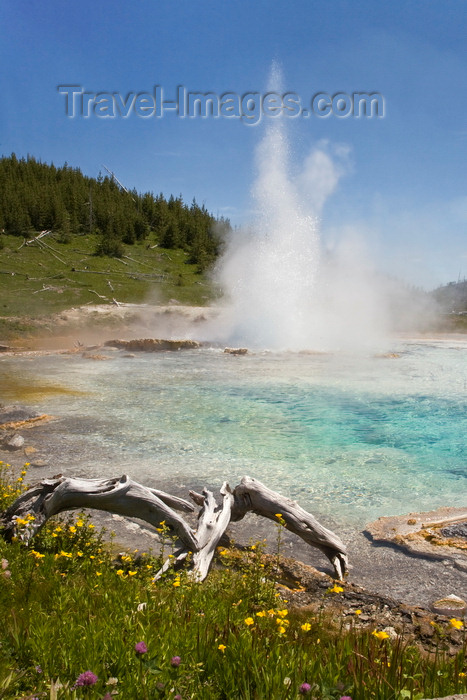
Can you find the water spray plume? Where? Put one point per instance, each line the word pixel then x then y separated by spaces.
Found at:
pixel 283 289
pixel 270 268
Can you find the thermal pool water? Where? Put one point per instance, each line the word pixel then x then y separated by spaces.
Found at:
pixel 351 438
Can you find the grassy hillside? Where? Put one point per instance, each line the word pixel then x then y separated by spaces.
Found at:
pixel 47 276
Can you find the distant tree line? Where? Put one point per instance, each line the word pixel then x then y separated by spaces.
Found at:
pixel 35 196
pixel 452 297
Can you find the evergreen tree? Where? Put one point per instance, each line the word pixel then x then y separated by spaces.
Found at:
pixel 35 196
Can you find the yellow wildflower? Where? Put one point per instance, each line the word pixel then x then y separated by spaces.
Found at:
pixel 132 573
pixel 176 583
pixel 336 589
pixel 98 573
pixel 79 523
pixel 72 529
pixel 120 572
pixel 358 612
pixel 91 526
pixel 457 624
pixel 38 555
pixel 283 613
pixel 380 635
pixel 249 621
pixel 222 647
pixel 261 613
pixel 66 554
pixel 462 674
pixel 79 554
pixel 278 515
pixel 281 630
pixel 306 627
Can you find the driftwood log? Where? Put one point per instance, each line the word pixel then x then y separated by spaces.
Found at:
pixel 126 497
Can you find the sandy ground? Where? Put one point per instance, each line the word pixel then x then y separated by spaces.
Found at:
pixel 92 324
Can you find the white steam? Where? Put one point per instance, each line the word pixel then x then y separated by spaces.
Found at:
pixel 281 289
pixel 270 269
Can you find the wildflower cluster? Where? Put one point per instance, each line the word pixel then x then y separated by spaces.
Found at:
pixel 24 527
pixel 76 623
pixel 71 537
pixel 10 489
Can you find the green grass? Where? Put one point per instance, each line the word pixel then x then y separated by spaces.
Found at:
pixel 67 607
pixel 37 282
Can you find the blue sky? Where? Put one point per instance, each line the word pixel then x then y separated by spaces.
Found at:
pixel 402 183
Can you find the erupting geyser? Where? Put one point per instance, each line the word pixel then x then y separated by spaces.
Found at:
pixel 270 270
pixel 282 291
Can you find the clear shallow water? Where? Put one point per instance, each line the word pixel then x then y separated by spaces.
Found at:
pixel 350 438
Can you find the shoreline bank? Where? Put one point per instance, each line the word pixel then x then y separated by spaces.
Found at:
pixel 92 324
pixel 384 568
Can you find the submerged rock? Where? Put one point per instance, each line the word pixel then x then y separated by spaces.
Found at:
pixel 16 414
pixel 13 442
pixel 14 417
pixel 422 534
pixel 236 351
pixel 152 344
pixel 38 463
pixel 451 605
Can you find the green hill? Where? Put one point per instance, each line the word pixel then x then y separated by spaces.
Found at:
pixel 69 240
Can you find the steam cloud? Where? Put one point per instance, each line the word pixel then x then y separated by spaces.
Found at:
pixel 282 289
pixel 282 292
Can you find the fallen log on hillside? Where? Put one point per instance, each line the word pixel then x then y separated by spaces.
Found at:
pixel 126 497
